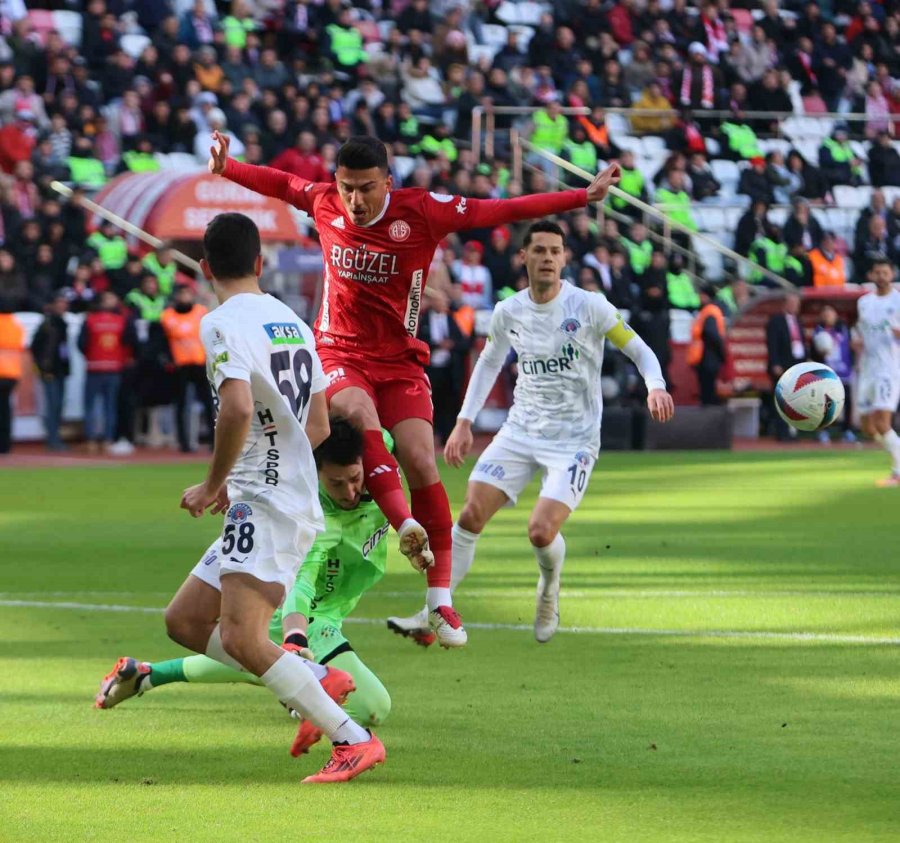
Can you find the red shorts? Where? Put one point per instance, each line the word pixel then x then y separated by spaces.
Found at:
pixel 400 389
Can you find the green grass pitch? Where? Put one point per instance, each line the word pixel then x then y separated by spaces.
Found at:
pixel 682 704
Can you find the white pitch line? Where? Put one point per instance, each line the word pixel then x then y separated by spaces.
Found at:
pixel 820 637
pixel 598 593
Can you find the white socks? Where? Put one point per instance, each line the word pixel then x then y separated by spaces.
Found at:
pixel 463 554
pixel 296 686
pixel 435 597
pixel 215 650
pixel 890 441
pixel 550 560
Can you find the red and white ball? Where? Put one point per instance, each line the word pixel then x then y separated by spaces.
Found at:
pixel 809 396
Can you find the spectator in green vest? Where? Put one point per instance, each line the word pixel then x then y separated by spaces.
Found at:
pixel 797 268
pixel 675 202
pixel 550 132
pixel 582 153
pixel 84 168
pixel 147 301
pixel 680 287
pixel 162 264
pixel 769 252
pixel 837 159
pixel 632 182
pixel 638 248
pixel 739 141
pixel 435 142
pixel 141 159
pixel 236 25
pixel 110 246
pixel 345 43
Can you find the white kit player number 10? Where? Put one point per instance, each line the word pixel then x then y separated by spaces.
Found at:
pixel 297 384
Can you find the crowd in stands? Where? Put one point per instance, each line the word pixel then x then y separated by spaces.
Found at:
pixel 92 88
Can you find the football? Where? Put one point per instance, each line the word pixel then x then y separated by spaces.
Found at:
pixel 809 396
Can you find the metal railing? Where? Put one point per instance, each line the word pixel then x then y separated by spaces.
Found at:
pixel 669 225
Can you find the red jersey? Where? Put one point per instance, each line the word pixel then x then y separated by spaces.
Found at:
pixel 375 274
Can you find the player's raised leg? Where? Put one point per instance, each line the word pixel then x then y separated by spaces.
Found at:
pixel 414 439
pixel 382 474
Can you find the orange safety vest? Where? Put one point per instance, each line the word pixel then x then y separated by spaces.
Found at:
pixel 465 319
pixel 827 273
pixel 695 349
pixel 183 332
pixel 597 135
pixel 12 342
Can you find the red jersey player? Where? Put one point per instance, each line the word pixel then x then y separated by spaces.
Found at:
pixel 378 244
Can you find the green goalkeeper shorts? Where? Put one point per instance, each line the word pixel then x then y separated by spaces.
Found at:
pixel 325 638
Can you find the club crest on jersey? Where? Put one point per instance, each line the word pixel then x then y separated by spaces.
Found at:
pixel 570 325
pixel 284 333
pixel 399 230
pixel 583 458
pixel 239 513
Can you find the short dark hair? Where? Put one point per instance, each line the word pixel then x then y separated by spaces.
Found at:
pixel 363 152
pixel 344 445
pixel 231 246
pixel 879 258
pixel 542 226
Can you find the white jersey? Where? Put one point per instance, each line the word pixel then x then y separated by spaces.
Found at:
pixel 256 338
pixel 560 349
pixel 881 349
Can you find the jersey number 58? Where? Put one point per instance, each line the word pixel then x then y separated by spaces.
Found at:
pixel 296 385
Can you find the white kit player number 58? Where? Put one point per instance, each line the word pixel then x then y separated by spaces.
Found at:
pixel 298 383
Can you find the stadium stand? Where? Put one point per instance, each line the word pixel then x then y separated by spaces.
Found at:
pixel 755 99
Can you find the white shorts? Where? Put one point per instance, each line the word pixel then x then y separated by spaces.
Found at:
pixel 509 466
pixel 878 392
pixel 259 541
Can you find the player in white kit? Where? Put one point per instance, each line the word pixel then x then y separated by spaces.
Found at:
pixel 558 332
pixel 270 394
pixel 877 341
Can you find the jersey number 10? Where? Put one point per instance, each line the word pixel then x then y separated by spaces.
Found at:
pixel 296 385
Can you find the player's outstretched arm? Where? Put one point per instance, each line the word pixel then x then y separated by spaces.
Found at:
pixel 265 180
pixel 461 214
pixel 232 426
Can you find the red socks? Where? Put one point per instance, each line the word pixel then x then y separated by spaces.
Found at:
pixel 431 508
pixel 383 479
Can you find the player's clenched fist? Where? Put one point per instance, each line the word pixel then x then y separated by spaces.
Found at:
pixel 459 443
pixel 218 153
pixel 661 405
pixel 197 498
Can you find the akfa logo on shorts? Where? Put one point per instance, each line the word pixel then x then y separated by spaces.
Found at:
pixel 583 458
pixel 570 325
pixel 209 558
pixel 239 513
pixel 399 230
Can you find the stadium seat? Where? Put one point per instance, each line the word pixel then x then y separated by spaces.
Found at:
pixel 712 260
pixel 68 25
pixel 404 165
pixel 726 172
pixel 890 194
pixel 177 161
pixel 618 126
pixel 846 196
pixel 653 145
pixel 775 145
pixel 778 216
pixel 526 12
pixel 632 144
pixel 385 27
pixel 492 33
pixel 477 52
pixel 134 45
pixel 809 149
